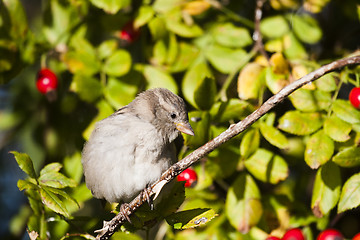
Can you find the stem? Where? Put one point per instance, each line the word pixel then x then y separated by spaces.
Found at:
pixel 43 61
pixel 336 93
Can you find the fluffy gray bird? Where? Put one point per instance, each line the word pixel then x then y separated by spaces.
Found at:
pixel 131 148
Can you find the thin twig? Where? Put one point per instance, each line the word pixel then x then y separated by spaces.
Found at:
pixel 257 37
pixel 111 226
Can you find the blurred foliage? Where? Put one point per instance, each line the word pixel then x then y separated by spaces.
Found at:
pixel 298 166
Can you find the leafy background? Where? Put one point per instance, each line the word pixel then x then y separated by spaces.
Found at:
pixel 296 167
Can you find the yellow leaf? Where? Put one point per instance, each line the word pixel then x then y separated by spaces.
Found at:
pixel 279 64
pixel 196 7
pixel 249 81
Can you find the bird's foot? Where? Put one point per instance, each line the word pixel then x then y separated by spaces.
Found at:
pixel 145 195
pixel 124 210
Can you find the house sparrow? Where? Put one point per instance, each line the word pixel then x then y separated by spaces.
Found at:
pixel 131 148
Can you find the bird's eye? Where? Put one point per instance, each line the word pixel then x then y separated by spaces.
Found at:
pixel 173 115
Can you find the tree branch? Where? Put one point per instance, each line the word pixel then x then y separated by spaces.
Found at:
pixel 110 227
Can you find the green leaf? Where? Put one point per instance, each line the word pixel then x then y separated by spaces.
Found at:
pixel 324 99
pixel 157 28
pixel 298 123
pixel 183 30
pixel 88 88
pixel 192 79
pixel 18 21
pixel 82 193
pixel 349 157
pixel 39 224
pixel 326 83
pixel 118 64
pixel 53 202
pixel 173 49
pixel 201 219
pixel 187 53
pixel 200 122
pixel 224 59
pixel 51 167
pixel 337 129
pixel 273 136
pixel 293 49
pixel 56 180
pixel 274 27
pixel 81 63
pixel 63 194
pixel 25 163
pixel 326 190
pixel 73 167
pixel 159 52
pixel 250 142
pixel 234 109
pixel 205 93
pixel 243 206
pixel 158 78
pixel 111 6
pixel 350 194
pixel 35 201
pixel 319 149
pixel 229 35
pixel 267 167
pixel 143 16
pixel 345 111
pixel 306 28
pixel 166 5
pixel 172 199
pixel 120 93
pixel 26 184
pixel 222 162
pixel 80 43
pixel 58 20
pixel 310 101
pixel 106 48
pixel 191 218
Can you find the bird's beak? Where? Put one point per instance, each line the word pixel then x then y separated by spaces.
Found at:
pixel 185 127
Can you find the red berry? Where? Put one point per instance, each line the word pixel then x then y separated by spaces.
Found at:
pixel 354 97
pixel 129 33
pixel 330 234
pixel 294 234
pixel 189 176
pixel 272 238
pixel 46 81
pixel 356 237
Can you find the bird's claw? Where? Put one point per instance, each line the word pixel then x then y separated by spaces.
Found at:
pixel 124 209
pixel 145 195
